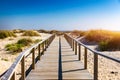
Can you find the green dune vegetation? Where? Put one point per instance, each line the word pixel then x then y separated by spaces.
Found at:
pixel 6 33
pixel 17 47
pixel 37 40
pixel 20 44
pixel 106 40
pixel 30 33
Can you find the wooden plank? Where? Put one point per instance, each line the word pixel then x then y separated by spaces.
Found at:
pixel 48 67
pixel 72 68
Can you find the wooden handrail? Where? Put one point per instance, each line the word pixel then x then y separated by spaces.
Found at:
pixel 11 72
pixel 72 41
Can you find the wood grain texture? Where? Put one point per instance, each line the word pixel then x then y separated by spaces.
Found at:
pixel 48 67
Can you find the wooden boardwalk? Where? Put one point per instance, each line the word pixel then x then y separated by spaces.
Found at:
pixel 59 62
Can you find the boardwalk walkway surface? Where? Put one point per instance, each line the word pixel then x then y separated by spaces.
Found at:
pixel 59 62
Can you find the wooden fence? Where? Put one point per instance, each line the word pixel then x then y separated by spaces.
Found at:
pixel 10 74
pixel 74 43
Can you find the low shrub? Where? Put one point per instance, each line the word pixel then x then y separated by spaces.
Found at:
pixel 17 47
pixel 25 41
pixel 4 59
pixel 6 33
pixel 43 31
pixel 97 35
pixel 14 47
pixel 78 33
pixel 30 33
pixel 37 40
pixel 111 45
pixel 102 46
pixel 18 31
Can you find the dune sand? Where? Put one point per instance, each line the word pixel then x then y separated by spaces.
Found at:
pixel 6 58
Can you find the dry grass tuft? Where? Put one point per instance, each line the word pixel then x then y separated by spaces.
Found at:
pixel 30 33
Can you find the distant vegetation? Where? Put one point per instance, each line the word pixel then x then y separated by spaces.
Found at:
pixel 106 40
pixel 51 32
pixel 30 33
pixel 18 31
pixel 6 33
pixel 43 31
pixel 78 33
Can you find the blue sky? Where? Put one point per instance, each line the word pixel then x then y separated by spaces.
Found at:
pixel 60 14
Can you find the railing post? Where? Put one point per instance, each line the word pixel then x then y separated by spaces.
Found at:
pixel 95 66
pixel 33 58
pixel 39 53
pixel 23 68
pixel 75 48
pixel 73 45
pixel 43 48
pixel 45 45
pixel 85 58
pixel 71 42
pixel 13 76
pixel 79 53
pixel 48 41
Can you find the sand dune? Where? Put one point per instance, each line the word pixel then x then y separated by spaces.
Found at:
pixel 6 58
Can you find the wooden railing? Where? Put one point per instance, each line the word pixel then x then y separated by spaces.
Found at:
pixel 10 74
pixel 75 44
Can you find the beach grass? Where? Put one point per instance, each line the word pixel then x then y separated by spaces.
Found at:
pixel 106 40
pixel 6 33
pixel 30 33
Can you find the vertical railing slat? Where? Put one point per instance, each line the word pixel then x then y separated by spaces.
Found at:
pixel 73 45
pixel 23 68
pixel 39 53
pixel 75 48
pixel 33 58
pixel 85 58
pixel 13 76
pixel 95 66
pixel 79 52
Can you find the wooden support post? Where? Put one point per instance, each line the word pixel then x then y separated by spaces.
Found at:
pixel 13 76
pixel 75 48
pixel 85 59
pixel 73 45
pixel 71 42
pixel 45 45
pixel 79 53
pixel 33 58
pixel 95 66
pixel 23 68
pixel 43 48
pixel 48 42
pixel 39 53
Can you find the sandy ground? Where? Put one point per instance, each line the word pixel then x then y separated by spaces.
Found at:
pixel 5 55
pixel 107 69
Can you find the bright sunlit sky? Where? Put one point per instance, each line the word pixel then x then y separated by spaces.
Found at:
pixel 60 14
